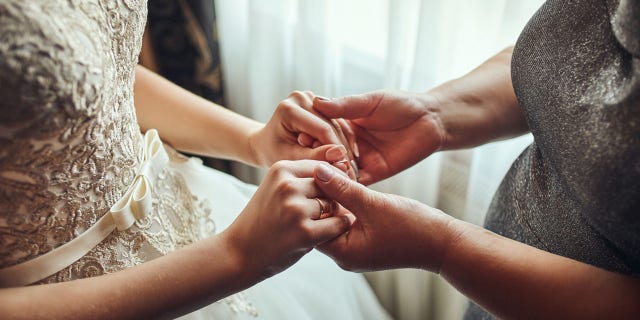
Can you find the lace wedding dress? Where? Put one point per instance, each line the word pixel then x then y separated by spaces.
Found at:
pixel 71 149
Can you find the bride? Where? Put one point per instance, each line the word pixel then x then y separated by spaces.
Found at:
pixel 111 223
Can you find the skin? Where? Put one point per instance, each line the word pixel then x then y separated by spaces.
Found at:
pixel 277 227
pixel 506 277
pixel 478 108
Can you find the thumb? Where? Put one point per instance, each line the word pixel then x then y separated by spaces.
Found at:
pixel 336 186
pixel 350 107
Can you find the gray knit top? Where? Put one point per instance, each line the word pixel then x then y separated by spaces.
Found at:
pixel 575 191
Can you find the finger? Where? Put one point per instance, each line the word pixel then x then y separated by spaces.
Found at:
pixel 350 135
pixel 328 153
pixel 342 165
pixel 305 140
pixel 326 208
pixel 303 169
pixel 299 120
pixel 334 185
pixel 330 228
pixel 303 99
pixel 350 107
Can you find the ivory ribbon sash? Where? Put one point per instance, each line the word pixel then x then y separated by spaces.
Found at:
pixel 135 204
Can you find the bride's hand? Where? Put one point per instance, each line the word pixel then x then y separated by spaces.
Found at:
pixel 294 118
pixel 282 220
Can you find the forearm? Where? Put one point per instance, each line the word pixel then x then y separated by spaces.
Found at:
pixel 481 106
pixel 514 280
pixel 190 123
pixel 175 284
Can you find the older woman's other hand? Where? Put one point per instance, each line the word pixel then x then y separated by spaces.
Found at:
pixel 284 220
pixel 389 231
pixel 388 130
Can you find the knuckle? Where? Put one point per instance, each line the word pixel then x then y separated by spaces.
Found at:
pixel 281 166
pixel 297 94
pixel 290 206
pixel 286 188
pixel 286 106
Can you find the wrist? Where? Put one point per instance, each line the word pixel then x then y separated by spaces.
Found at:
pixel 454 234
pixel 238 261
pixel 462 117
pixel 433 105
pixel 253 155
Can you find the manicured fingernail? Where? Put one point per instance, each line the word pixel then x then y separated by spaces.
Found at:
pixel 324 173
pixel 356 151
pixel 323 98
pixel 336 153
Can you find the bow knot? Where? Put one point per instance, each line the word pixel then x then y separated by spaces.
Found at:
pixel 136 202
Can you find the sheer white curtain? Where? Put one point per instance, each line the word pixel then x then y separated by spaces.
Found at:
pixel 341 47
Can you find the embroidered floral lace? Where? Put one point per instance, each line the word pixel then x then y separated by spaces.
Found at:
pixel 69 141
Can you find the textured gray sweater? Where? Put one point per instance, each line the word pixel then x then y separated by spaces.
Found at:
pixel 576 190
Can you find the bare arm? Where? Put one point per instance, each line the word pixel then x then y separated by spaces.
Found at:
pixel 250 250
pixel 166 287
pixel 191 123
pixel 512 280
pixel 506 277
pixel 481 106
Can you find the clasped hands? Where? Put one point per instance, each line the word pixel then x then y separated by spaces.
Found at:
pixel 387 132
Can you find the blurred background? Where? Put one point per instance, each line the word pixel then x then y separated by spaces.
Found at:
pixel 249 54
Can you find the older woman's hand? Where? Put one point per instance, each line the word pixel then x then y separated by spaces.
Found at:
pixel 284 220
pixel 389 231
pixel 389 131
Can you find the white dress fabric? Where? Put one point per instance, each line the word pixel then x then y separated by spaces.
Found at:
pixel 70 147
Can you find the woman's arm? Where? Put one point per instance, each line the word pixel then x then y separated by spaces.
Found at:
pixel 277 227
pixel 393 130
pixel 195 125
pixel 514 280
pixel 191 123
pixel 506 277
pixel 481 106
pixel 165 287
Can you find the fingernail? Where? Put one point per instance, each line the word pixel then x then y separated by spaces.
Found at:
pixel 323 98
pixel 351 218
pixel 324 173
pixel 356 151
pixel 336 153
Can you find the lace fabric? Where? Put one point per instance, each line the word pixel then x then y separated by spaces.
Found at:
pixel 70 144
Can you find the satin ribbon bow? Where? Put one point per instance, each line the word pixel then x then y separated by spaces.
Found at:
pixel 136 202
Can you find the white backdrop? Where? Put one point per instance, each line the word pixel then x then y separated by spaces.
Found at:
pixel 341 47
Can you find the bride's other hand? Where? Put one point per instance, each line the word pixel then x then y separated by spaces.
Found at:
pixel 281 222
pixel 294 118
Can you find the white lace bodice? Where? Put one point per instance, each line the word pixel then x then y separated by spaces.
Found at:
pixel 69 141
